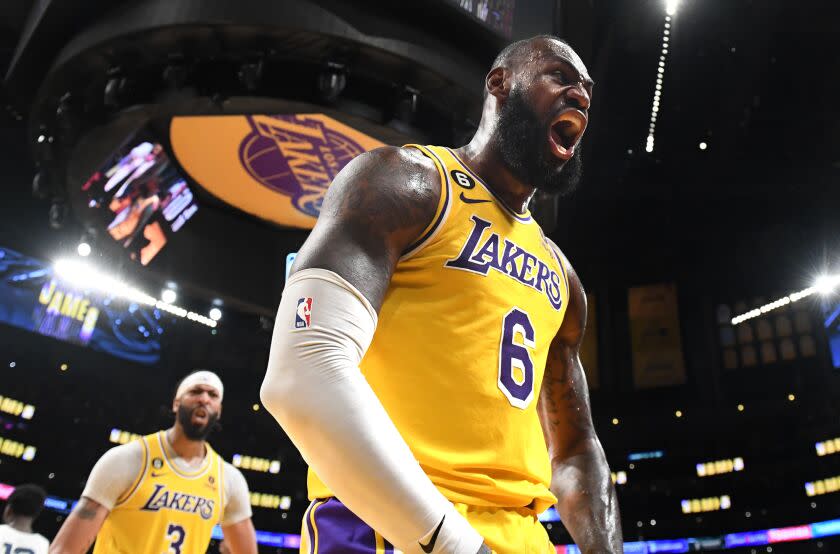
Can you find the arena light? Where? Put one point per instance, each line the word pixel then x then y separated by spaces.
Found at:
pixel 15 449
pixel 215 314
pixel 619 477
pixel 83 249
pixel 670 8
pixel 271 501
pixel 823 486
pixel 828 447
pixel 254 463
pixel 833 281
pixel 118 436
pixel 84 275
pixel 16 408
pixel 169 296
pixel 709 504
pixel 825 284
pixel 718 467
pixel 652 455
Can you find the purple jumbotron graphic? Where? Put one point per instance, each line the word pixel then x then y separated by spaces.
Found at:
pixel 296 156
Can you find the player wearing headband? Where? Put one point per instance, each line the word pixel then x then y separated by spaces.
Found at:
pixel 166 491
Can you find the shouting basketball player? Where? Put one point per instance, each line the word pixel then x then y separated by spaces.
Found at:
pixel 166 491
pixel 470 414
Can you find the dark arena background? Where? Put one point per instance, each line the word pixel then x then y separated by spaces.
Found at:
pixel 705 231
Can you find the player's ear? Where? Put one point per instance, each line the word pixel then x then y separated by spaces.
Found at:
pixel 176 403
pixel 498 82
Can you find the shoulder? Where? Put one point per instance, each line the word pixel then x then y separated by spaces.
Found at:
pixel 389 182
pixel 234 480
pixel 130 452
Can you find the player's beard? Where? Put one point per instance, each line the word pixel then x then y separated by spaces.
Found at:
pixel 191 430
pixel 522 139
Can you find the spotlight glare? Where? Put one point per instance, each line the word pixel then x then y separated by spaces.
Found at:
pixel 215 314
pixel 703 146
pixel 83 249
pixel 671 7
pixel 169 296
pixel 825 284
pixel 81 274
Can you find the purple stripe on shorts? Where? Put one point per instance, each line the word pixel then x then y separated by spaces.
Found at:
pixel 308 527
pixel 341 532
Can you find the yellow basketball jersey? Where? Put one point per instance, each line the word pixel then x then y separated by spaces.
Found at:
pixel 166 510
pixel 460 348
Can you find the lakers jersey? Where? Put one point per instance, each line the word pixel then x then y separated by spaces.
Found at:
pixel 166 509
pixel 460 348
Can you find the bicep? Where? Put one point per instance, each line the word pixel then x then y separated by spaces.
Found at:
pixel 238 506
pixel 564 398
pixel 80 528
pixel 241 538
pixel 374 209
pixel 114 473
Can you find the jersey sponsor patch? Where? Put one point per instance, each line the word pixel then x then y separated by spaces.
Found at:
pixel 303 316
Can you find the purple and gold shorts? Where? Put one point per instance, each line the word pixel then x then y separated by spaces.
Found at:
pixel 330 528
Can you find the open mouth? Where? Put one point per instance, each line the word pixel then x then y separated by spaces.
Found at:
pixel 566 131
pixel 200 415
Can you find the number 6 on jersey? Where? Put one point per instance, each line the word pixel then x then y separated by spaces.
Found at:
pixel 516 370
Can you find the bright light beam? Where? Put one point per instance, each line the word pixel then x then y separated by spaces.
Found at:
pixel 825 284
pixel 671 6
pixel 86 276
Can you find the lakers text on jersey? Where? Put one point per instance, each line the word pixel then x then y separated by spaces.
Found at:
pixel 166 509
pixel 461 344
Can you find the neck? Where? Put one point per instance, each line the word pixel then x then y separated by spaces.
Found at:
pixel 22 524
pixel 183 446
pixel 485 160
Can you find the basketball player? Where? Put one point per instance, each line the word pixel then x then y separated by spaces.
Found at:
pixel 470 414
pixel 166 491
pixel 16 534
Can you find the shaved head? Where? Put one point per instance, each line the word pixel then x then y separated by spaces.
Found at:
pixel 536 99
pixel 516 55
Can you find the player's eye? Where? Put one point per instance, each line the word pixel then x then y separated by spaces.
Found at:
pixel 562 76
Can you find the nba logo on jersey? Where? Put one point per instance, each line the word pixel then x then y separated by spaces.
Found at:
pixel 304 313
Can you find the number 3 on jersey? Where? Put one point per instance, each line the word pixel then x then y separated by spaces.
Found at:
pixel 516 370
pixel 176 536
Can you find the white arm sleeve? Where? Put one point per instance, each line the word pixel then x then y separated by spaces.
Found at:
pixel 238 501
pixel 314 388
pixel 114 473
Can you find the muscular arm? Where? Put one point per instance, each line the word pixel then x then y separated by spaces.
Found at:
pixel 110 478
pixel 80 528
pixel 580 478
pixel 240 537
pixel 375 208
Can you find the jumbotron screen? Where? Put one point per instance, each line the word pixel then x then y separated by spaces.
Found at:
pixel 495 14
pixel 140 197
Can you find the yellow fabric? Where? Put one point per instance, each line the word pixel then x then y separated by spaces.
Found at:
pixel 167 511
pixel 508 531
pixel 439 355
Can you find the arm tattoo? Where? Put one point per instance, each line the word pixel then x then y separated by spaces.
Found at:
pixel 85 511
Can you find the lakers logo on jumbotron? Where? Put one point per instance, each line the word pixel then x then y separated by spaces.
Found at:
pixel 296 156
